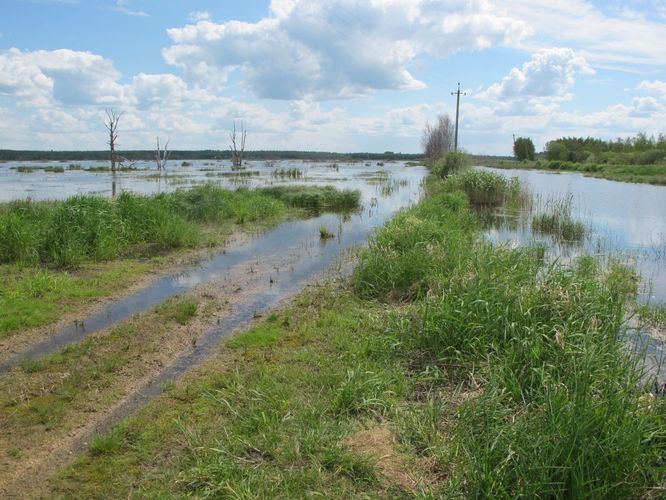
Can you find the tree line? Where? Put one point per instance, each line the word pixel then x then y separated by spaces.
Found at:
pixel 639 149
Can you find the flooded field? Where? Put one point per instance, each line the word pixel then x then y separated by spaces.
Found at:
pixel 294 251
pixel 58 180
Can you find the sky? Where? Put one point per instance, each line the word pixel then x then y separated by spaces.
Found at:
pixel 328 75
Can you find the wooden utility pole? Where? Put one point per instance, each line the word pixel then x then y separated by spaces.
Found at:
pixel 457 94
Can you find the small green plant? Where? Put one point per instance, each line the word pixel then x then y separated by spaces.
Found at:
pixel 325 233
pixel 181 310
pixel 558 222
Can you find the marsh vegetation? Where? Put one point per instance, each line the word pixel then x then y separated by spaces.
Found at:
pixel 449 366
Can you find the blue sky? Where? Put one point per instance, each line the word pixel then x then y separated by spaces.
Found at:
pixel 336 75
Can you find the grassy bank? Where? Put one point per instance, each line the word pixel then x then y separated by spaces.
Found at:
pixel 446 367
pixel 57 256
pixel 644 174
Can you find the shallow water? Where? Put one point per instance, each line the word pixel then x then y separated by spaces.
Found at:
pixel 626 220
pixel 369 177
pixel 294 248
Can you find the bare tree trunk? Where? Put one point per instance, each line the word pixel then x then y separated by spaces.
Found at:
pixel 162 156
pixel 112 126
pixel 237 149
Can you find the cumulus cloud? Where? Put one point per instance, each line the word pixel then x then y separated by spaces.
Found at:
pixel 550 73
pixel 606 35
pixel 306 49
pixel 66 76
pixel 536 87
pixel 655 86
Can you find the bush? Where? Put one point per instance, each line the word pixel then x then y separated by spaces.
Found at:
pixel 452 163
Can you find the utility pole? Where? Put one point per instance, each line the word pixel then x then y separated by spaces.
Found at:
pixel 457 94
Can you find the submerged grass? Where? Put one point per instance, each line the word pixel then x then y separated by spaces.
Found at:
pixel 558 222
pixel 502 376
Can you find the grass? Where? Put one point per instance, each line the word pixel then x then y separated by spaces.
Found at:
pixel 178 309
pixel 92 228
pixel 33 297
pixel 558 221
pixel 316 199
pixel 652 315
pixel 486 189
pixel 325 233
pixel 56 257
pixel 643 174
pixel 499 374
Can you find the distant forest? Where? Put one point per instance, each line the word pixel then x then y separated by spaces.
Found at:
pixel 638 150
pixel 13 155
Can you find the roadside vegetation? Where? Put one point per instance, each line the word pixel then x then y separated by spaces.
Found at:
pixel 446 366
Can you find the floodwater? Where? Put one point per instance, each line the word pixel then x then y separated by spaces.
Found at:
pixel 294 248
pixel 372 178
pixel 626 220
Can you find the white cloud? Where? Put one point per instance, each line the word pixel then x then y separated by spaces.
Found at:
pixel 646 106
pixel 619 36
pixel 655 86
pixel 307 49
pixel 65 76
pixel 550 73
pixel 199 15
pixel 537 88
pixel 123 7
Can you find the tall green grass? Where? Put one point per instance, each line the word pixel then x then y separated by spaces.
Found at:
pixel 315 198
pixel 488 189
pixel 554 405
pixel 84 228
pixel 558 222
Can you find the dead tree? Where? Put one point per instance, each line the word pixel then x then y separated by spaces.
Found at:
pixel 112 126
pixel 162 156
pixel 438 139
pixel 236 148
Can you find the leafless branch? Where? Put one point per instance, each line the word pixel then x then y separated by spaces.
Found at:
pixel 162 156
pixel 113 117
pixel 236 149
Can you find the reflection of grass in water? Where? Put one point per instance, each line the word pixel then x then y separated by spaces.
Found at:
pixel 558 221
pixel 291 173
